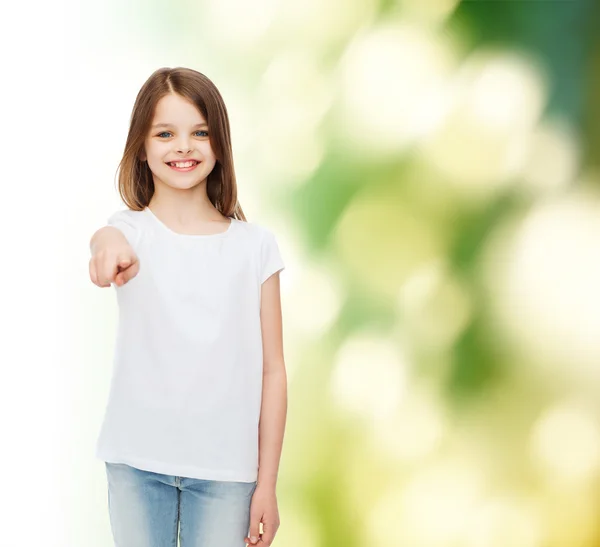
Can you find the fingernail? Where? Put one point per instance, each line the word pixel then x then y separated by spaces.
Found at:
pixel 253 539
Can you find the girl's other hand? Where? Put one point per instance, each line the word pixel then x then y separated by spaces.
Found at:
pixel 117 264
pixel 263 510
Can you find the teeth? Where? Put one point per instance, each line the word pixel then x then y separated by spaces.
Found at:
pixel 181 165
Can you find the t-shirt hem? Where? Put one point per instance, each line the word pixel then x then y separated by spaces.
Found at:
pixel 178 470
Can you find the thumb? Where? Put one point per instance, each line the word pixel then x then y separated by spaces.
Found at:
pixel 124 262
pixel 127 274
pixel 254 527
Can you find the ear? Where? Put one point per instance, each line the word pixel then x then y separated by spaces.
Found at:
pixel 142 156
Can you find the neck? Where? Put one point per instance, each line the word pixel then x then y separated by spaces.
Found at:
pixel 184 205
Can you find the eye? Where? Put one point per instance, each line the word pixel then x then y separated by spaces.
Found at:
pixel 168 133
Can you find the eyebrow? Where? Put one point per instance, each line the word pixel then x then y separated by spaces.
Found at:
pixel 156 126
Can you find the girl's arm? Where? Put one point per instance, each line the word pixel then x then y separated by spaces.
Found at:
pixel 274 393
pixel 263 509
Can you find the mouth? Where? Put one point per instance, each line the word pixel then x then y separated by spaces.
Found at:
pixel 183 166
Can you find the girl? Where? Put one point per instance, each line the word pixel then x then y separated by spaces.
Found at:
pixel 194 423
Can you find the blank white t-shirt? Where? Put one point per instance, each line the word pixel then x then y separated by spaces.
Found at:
pixel 186 384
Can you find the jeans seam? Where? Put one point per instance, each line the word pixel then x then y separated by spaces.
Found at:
pixel 178 522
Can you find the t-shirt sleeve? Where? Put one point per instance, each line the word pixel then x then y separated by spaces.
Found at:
pixel 126 222
pixel 271 260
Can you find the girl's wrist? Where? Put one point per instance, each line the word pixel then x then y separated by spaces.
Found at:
pixel 265 484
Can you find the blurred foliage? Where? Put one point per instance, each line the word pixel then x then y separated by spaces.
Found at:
pixel 491 462
pixel 547 28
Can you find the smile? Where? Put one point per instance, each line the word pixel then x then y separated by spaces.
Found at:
pixel 183 165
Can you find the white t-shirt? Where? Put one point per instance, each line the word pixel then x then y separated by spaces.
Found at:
pixel 186 384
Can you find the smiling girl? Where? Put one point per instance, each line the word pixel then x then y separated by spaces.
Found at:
pixel 194 424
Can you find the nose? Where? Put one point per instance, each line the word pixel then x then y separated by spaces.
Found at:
pixel 183 146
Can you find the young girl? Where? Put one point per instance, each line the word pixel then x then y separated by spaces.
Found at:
pixel 194 423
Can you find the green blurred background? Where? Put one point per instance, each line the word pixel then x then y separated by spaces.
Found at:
pixel 430 169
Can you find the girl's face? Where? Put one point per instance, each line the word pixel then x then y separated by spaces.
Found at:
pixel 179 134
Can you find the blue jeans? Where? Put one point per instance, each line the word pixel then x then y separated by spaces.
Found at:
pixel 146 508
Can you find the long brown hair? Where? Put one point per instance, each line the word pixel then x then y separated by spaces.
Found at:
pixel 136 185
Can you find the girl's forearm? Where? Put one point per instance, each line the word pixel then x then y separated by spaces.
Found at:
pixel 271 427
